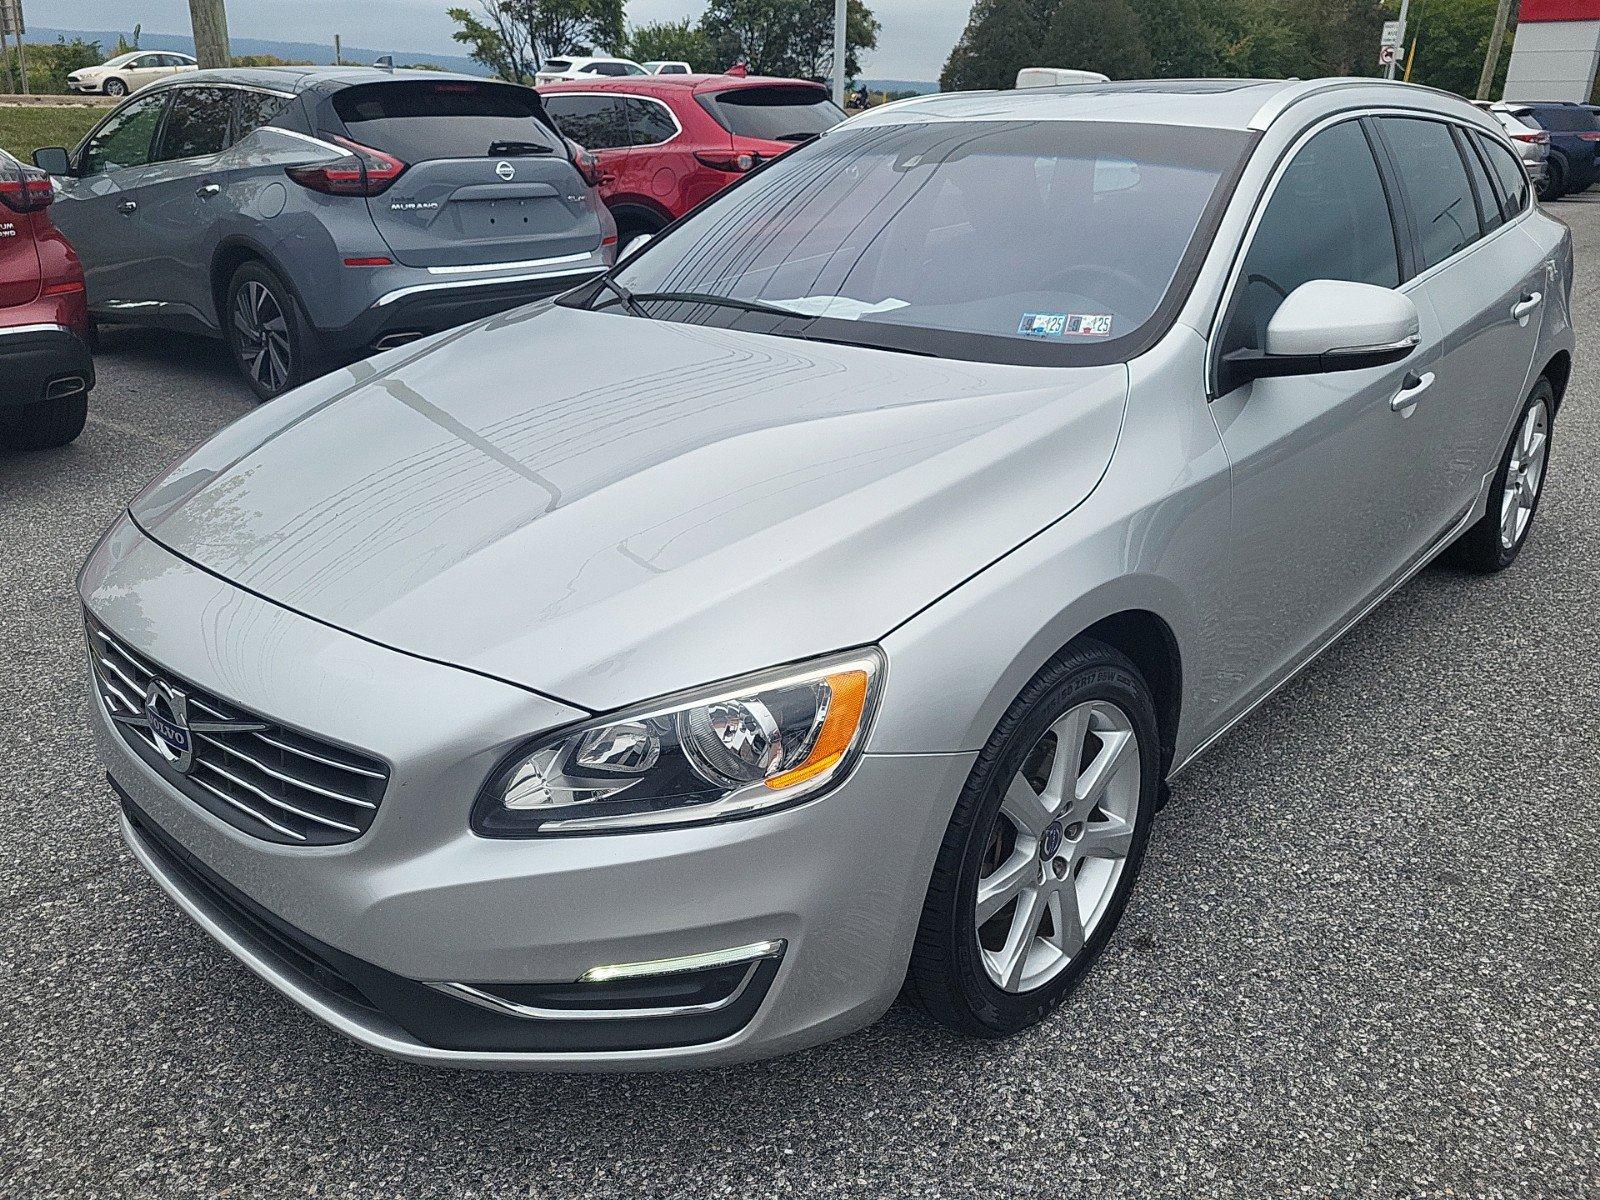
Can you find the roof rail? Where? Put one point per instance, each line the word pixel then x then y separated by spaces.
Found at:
pixel 1295 91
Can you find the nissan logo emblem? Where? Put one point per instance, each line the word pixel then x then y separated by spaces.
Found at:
pixel 505 170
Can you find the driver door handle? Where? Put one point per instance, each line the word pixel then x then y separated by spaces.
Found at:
pixel 1529 302
pixel 1411 388
pixel 128 206
pixel 206 190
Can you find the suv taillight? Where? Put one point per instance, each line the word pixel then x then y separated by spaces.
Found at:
pixel 727 160
pixel 1537 139
pixel 362 172
pixel 587 162
pixel 29 193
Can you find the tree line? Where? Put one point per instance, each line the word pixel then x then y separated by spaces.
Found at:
pixel 1140 39
pixel 792 38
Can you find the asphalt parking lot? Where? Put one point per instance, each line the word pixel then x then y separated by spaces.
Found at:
pixel 1364 959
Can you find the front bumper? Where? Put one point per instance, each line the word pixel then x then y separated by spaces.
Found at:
pixel 839 882
pixel 41 362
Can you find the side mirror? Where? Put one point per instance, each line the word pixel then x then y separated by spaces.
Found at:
pixel 1328 325
pixel 53 159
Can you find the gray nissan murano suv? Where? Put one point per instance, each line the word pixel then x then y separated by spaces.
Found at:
pixel 813 609
pixel 311 215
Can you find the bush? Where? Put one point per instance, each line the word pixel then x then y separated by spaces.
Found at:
pixel 49 63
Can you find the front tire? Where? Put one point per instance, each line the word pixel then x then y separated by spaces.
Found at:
pixel 268 337
pixel 1043 848
pixel 115 87
pixel 1495 540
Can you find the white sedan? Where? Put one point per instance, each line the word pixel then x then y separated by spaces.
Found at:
pixel 129 72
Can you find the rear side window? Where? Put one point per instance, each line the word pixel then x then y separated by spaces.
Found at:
pixel 612 69
pixel 595 122
pixel 1489 213
pixel 775 114
pixel 256 109
pixel 1435 183
pixel 197 123
pixel 124 140
pixel 417 122
pixel 1507 168
pixel 1328 218
pixel 649 123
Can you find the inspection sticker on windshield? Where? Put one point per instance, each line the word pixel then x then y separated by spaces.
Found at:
pixel 1065 325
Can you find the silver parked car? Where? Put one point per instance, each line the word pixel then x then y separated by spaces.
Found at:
pixel 816 606
pixel 1531 143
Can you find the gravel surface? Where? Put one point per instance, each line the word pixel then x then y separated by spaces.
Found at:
pixel 1362 960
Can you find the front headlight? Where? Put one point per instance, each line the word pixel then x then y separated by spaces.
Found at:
pixel 729 750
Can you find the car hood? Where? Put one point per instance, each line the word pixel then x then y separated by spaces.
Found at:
pixel 604 508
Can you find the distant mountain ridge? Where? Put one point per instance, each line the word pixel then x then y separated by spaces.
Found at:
pixel 302 51
pixel 317 53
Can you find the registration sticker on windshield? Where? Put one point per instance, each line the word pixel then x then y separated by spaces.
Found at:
pixel 1065 325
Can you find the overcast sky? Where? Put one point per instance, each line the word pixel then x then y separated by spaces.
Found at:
pixel 916 36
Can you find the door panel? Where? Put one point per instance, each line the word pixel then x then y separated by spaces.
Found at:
pixel 182 195
pixel 98 209
pixel 1327 506
pixel 1475 275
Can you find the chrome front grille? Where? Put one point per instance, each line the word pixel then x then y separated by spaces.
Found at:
pixel 270 781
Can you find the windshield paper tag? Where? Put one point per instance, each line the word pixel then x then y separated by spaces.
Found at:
pixel 1065 325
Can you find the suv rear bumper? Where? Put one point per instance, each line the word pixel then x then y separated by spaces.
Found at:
pixel 434 304
pixel 41 362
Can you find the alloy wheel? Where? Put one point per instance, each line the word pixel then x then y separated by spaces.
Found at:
pixel 1524 474
pixel 1058 847
pixel 263 334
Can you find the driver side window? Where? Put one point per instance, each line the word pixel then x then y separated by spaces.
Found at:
pixel 124 140
pixel 1327 218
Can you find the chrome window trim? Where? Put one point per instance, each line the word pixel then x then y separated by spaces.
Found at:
pixel 1264 197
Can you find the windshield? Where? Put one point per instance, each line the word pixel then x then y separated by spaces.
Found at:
pixel 1044 242
pixel 120 59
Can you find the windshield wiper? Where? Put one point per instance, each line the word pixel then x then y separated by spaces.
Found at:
pixel 629 300
pixel 754 306
pixel 516 148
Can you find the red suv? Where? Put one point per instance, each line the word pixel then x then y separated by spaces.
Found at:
pixel 45 370
pixel 667 142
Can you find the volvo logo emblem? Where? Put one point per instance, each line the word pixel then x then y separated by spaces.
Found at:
pixel 167 710
pixel 1051 841
pixel 505 170
pixel 165 714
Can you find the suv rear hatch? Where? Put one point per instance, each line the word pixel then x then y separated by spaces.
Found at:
pixel 19 254
pixel 486 179
pixel 770 118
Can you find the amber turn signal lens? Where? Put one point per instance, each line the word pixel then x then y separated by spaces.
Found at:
pixel 846 703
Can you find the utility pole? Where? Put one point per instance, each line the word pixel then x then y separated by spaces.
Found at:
pixel 1388 67
pixel 840 8
pixel 210 21
pixel 1491 56
pixel 338 52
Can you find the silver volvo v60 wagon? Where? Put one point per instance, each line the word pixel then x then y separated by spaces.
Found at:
pixel 814 607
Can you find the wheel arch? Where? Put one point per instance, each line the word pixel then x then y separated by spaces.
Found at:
pixel 1559 372
pixel 638 210
pixel 956 678
pixel 231 254
pixel 1151 645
